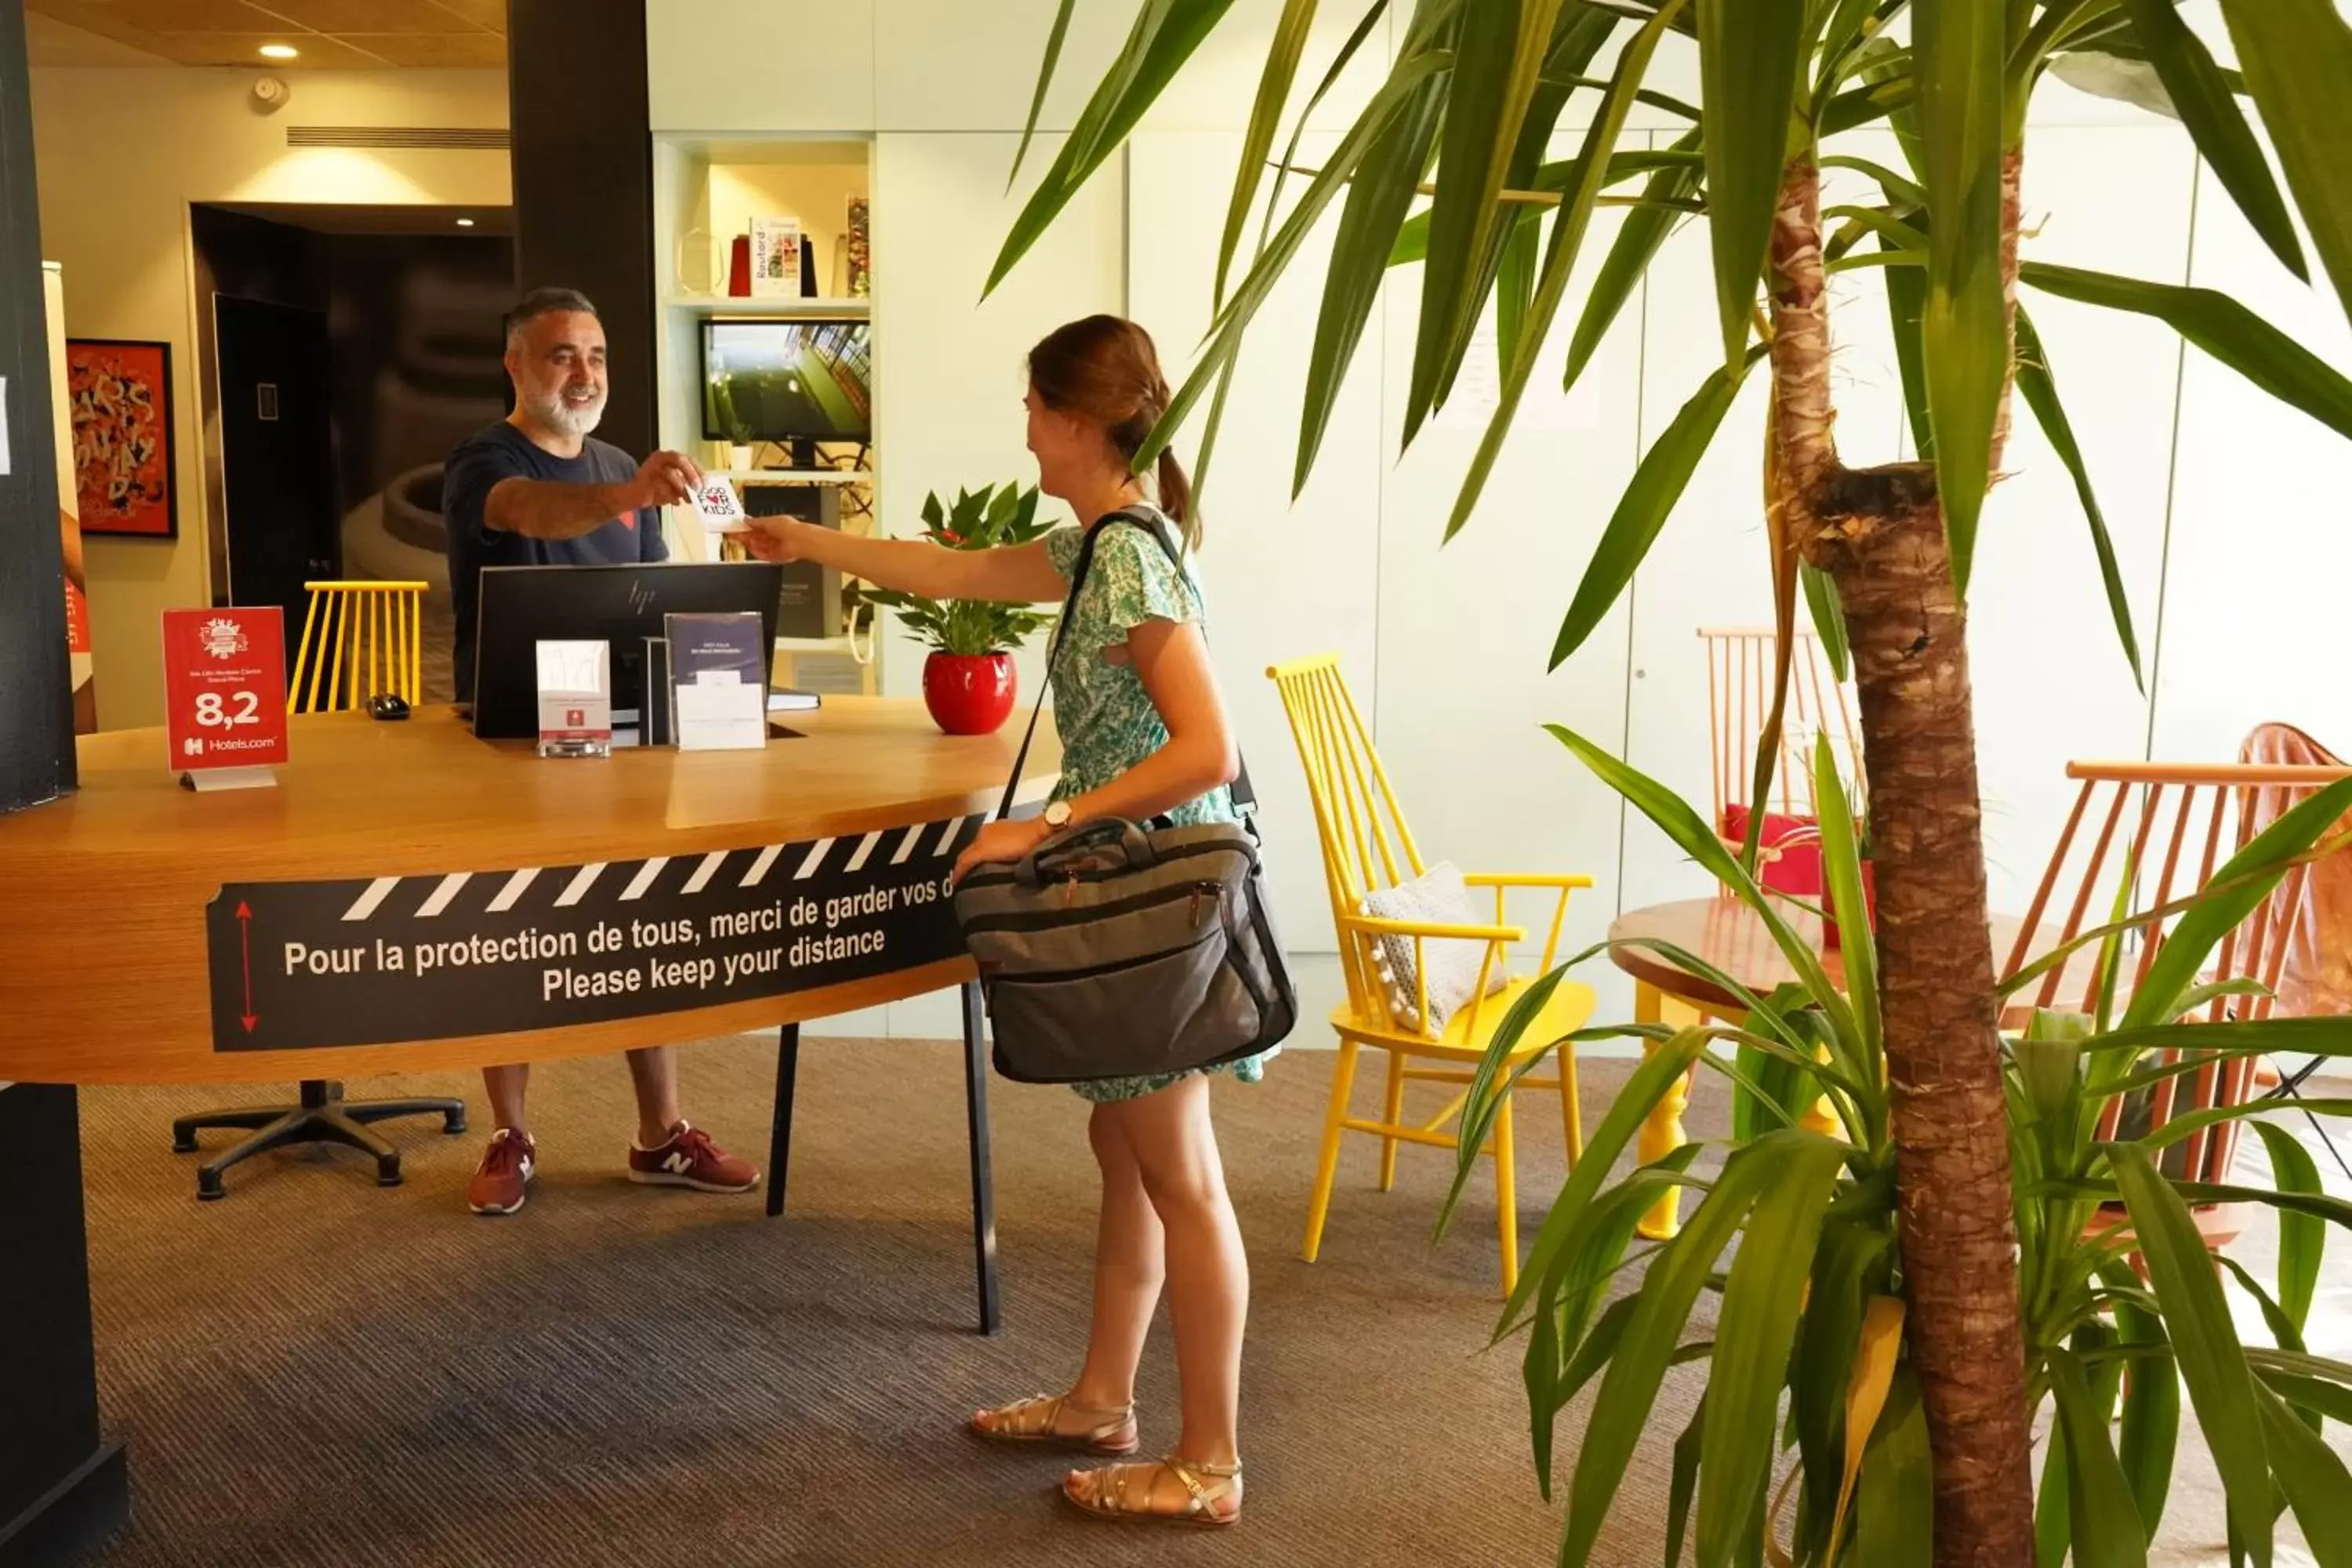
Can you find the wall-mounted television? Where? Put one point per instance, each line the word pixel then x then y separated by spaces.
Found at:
pixel 787 379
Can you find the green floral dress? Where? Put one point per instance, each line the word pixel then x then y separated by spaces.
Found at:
pixel 1106 718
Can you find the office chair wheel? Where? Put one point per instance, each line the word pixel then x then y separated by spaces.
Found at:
pixel 454 1122
pixel 387 1172
pixel 209 1187
pixel 184 1140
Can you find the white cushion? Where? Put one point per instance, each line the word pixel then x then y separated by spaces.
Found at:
pixel 1436 896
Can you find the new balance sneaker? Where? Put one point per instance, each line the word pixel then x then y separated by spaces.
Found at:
pixel 691 1160
pixel 501 1180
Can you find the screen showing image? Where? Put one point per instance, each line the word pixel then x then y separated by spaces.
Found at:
pixel 785 380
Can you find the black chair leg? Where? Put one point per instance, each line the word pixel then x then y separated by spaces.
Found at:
pixel 323 1117
pixel 780 1136
pixel 983 1183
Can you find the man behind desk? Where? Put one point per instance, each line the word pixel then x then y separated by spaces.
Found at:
pixel 535 489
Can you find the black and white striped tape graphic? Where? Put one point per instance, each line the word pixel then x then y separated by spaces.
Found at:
pixel 299 964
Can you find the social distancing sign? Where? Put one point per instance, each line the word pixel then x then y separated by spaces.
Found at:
pixel 309 965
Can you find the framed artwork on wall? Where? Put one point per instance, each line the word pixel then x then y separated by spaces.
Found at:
pixel 121 394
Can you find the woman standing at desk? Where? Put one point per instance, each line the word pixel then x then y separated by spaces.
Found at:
pixel 1144 734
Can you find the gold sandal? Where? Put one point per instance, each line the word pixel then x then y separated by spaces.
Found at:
pixel 1208 1485
pixel 1035 1419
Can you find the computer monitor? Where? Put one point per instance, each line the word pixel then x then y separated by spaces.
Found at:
pixel 518 607
pixel 788 379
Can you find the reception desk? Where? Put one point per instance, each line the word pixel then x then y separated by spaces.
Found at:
pixel 410 898
pixel 409 837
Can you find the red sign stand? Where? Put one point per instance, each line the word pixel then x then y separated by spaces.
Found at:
pixel 225 696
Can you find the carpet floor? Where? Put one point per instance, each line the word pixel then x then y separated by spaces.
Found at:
pixel 317 1371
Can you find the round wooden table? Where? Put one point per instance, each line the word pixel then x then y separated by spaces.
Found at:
pixel 1732 938
pixel 409 899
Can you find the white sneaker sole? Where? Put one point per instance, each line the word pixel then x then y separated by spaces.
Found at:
pixel 671 1179
pixel 492 1210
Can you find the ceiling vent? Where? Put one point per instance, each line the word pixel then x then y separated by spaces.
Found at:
pixel 487 139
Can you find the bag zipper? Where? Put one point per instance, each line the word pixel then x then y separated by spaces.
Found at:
pixel 1100 970
pixel 1047 920
pixel 992 877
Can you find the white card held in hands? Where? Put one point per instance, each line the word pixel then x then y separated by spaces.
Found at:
pixel 722 509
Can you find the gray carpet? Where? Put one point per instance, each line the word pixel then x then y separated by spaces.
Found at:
pixel 319 1372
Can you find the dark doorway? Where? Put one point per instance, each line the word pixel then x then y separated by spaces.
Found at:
pixel 277 468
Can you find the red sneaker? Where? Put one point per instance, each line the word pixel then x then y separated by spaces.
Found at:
pixel 500 1181
pixel 691 1160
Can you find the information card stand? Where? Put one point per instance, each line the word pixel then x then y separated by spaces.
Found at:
pixel 576 699
pixel 225 696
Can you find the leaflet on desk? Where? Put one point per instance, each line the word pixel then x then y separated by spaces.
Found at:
pixel 315 965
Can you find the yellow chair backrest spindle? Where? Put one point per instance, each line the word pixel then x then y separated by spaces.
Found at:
pixel 1365 843
pixel 359 639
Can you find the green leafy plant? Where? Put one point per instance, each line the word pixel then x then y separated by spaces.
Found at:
pixel 986 519
pixel 1473 94
pixel 1810 1306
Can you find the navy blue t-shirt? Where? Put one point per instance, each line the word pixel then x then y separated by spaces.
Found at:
pixel 503 452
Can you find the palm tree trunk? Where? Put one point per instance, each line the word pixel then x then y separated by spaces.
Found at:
pixel 1887 551
pixel 1879 533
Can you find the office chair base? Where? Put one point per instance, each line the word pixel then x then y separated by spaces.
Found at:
pixel 323 1117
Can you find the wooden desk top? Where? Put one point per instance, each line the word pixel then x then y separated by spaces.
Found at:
pixel 104 974
pixel 1729 935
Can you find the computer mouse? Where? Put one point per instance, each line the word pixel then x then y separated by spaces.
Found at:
pixel 387 705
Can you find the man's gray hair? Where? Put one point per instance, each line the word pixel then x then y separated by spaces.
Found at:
pixel 544 302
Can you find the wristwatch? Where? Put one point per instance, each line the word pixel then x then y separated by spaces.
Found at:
pixel 1057 815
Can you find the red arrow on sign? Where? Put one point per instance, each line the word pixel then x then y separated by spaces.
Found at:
pixel 245 941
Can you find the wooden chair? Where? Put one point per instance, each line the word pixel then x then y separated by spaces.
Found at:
pixel 1366 845
pixel 359 640
pixel 1739 699
pixel 2166 826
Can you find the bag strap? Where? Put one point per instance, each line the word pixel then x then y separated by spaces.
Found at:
pixel 1154 522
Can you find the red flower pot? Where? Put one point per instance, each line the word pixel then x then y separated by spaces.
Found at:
pixel 969 694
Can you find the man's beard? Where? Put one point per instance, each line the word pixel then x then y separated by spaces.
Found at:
pixel 567 419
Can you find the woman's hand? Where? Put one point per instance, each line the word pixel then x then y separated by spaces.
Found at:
pixel 775 538
pixel 1000 843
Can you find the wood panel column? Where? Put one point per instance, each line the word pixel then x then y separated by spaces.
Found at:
pixel 63 1487
pixel 583 185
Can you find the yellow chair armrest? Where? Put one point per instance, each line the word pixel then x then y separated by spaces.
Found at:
pixel 1525 880
pixel 1433 930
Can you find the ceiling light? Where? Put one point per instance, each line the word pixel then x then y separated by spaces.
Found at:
pixel 278 51
pixel 464 222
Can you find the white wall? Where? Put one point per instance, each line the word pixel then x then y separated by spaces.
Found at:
pixel 1447 646
pixel 120 155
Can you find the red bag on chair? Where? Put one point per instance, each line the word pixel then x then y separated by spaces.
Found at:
pixel 1792 863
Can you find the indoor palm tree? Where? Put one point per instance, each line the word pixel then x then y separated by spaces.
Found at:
pixel 1475 93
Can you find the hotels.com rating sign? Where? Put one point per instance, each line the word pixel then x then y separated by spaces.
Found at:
pixel 225 688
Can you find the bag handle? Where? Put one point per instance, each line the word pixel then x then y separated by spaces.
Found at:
pixel 1154 522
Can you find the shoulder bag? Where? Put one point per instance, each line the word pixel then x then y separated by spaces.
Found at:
pixel 1121 949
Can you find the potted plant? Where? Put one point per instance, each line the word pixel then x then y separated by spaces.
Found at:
pixel 969 682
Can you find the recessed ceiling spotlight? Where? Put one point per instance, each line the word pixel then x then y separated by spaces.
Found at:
pixel 464 222
pixel 280 52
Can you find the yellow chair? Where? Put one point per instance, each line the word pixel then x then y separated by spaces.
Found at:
pixel 1366 846
pixel 359 639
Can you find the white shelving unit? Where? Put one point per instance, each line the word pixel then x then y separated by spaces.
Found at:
pixel 796 475
pixel 707 188
pixel 850 308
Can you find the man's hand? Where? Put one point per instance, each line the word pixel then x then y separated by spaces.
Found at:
pixel 776 539
pixel 666 478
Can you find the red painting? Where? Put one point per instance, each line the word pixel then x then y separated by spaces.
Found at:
pixel 121 394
